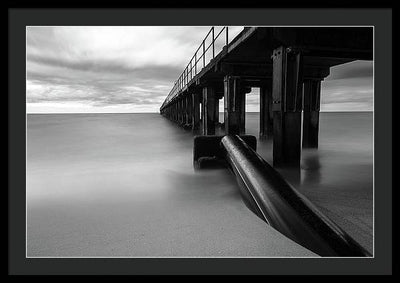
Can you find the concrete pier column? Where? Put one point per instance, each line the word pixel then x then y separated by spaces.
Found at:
pixel 245 90
pixel 208 110
pixel 287 104
pixel 216 108
pixel 181 111
pixel 266 114
pixel 182 102
pixel 185 110
pixel 179 106
pixel 175 111
pixel 178 109
pixel 189 109
pixel 188 115
pixel 311 107
pixel 195 111
pixel 234 106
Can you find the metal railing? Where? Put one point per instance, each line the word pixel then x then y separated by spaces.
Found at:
pixel 198 61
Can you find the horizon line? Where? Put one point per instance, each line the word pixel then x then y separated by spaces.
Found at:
pixel 39 113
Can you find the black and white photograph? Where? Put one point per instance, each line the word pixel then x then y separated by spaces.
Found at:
pixel 279 122
pixel 202 141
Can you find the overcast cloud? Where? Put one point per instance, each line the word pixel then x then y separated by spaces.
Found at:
pixel 132 69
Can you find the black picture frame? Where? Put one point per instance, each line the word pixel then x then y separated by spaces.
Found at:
pixel 20 17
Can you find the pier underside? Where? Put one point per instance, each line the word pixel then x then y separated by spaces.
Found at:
pixel 288 64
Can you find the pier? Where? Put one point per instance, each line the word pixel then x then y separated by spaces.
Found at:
pixel 286 63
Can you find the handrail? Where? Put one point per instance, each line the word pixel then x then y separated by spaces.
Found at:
pixel 192 68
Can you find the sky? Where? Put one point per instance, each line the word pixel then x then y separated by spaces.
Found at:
pixel 132 69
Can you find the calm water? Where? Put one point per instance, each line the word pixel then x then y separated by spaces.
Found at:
pixel 124 185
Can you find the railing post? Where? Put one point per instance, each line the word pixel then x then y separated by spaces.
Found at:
pixel 191 69
pixel 204 54
pixel 226 42
pixel 189 74
pixel 213 50
pixel 195 63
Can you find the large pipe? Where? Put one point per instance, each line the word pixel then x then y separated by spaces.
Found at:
pixel 283 207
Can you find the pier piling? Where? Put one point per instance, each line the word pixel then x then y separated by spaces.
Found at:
pixel 195 111
pixel 234 108
pixel 287 106
pixel 266 114
pixel 208 113
pixel 311 107
pixel 286 63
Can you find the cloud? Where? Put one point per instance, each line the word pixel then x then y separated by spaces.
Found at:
pixel 132 69
pixel 357 69
pixel 101 67
pixel 348 94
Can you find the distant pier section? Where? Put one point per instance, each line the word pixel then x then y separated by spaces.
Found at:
pixel 286 63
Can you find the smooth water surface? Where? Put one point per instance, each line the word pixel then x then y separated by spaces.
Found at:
pixel 124 185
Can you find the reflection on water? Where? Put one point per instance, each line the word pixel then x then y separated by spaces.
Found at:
pixel 311 167
pixel 124 185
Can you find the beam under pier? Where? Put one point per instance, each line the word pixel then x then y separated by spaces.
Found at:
pixel 311 107
pixel 287 105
